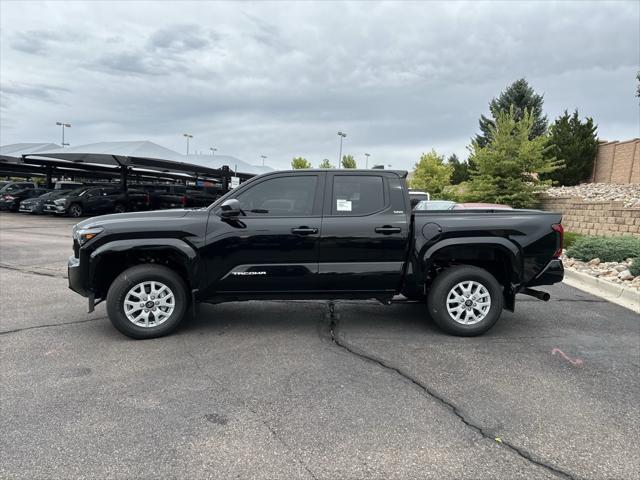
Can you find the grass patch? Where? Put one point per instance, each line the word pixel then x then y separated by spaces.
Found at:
pixel 607 249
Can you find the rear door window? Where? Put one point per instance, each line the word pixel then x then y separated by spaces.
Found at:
pixel 357 195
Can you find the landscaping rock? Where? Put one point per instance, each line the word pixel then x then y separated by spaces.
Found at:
pixel 628 194
pixel 625 275
pixel 594 261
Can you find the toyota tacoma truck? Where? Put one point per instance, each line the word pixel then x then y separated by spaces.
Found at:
pixel 315 234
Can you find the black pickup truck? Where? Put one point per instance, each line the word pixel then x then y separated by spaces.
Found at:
pixel 314 234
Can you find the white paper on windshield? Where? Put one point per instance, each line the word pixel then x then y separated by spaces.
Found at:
pixel 343 205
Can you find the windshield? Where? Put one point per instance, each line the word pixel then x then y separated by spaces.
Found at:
pixel 12 187
pixel 55 194
pixel 78 191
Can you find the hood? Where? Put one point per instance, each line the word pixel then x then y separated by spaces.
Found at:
pixel 132 218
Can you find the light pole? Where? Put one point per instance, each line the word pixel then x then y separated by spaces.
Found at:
pixel 341 135
pixel 188 137
pixel 367 155
pixel 263 158
pixel 213 151
pixel 63 125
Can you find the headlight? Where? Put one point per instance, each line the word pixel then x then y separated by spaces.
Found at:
pixel 83 235
pixel 60 201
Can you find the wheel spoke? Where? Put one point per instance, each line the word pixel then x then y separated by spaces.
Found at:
pixel 468 302
pixel 142 310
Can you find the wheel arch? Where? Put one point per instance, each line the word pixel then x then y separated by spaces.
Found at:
pixel 112 258
pixel 498 256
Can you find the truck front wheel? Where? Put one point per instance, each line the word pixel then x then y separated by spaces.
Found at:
pixel 465 300
pixel 147 301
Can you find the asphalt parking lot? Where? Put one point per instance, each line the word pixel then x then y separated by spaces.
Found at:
pixel 289 390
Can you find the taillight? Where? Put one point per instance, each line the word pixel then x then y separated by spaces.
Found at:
pixel 559 229
pixel 183 200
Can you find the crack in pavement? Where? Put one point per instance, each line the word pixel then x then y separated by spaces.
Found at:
pixel 31 272
pixel 48 325
pixel 452 407
pixel 272 431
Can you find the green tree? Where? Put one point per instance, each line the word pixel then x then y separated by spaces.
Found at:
pixel 507 170
pixel 521 97
pixel 325 164
pixel 460 172
pixel 575 143
pixel 431 174
pixel 300 162
pixel 348 161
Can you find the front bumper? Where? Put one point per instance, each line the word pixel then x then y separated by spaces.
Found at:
pixel 74 271
pixel 552 273
pixel 50 208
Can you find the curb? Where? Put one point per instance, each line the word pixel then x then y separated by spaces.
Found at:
pixel 625 296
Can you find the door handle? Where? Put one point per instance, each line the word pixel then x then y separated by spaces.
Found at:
pixel 304 231
pixel 388 229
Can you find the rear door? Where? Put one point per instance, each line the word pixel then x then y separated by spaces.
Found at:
pixel 274 247
pixel 365 232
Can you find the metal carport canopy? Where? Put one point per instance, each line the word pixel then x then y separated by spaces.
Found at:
pixel 13 153
pixel 142 154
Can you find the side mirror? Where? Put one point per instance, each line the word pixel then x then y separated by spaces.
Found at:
pixel 230 208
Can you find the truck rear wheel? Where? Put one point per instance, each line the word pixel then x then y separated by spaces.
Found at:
pixel 465 300
pixel 147 301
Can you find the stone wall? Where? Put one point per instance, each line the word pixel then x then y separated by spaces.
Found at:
pixel 617 162
pixel 594 218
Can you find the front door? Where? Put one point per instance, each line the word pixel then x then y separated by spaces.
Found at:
pixel 365 233
pixel 274 246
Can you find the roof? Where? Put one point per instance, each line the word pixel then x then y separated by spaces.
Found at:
pixel 13 153
pixel 217 161
pixel 400 173
pixel 112 152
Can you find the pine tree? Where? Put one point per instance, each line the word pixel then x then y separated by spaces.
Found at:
pixel 507 170
pixel 300 162
pixel 460 172
pixel 348 161
pixel 521 97
pixel 431 174
pixel 576 144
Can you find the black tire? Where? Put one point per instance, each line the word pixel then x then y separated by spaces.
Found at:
pixel 134 276
pixel 442 286
pixel 119 208
pixel 75 210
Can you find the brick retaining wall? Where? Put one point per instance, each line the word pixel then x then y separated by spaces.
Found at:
pixel 594 218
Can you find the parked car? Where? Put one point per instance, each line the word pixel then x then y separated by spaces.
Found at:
pixel 481 206
pixel 85 200
pixel 11 200
pixel 435 205
pixel 35 205
pixel 67 185
pixel 10 187
pixel 416 196
pixel 314 234
pixel 179 196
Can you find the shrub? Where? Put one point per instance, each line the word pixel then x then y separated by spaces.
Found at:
pixel 635 267
pixel 570 238
pixel 607 249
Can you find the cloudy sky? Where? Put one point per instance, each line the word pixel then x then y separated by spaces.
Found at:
pixel 281 78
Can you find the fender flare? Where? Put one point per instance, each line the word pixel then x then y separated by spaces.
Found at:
pixel 503 244
pixel 186 251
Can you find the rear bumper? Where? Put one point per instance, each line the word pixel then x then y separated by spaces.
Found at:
pixel 552 273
